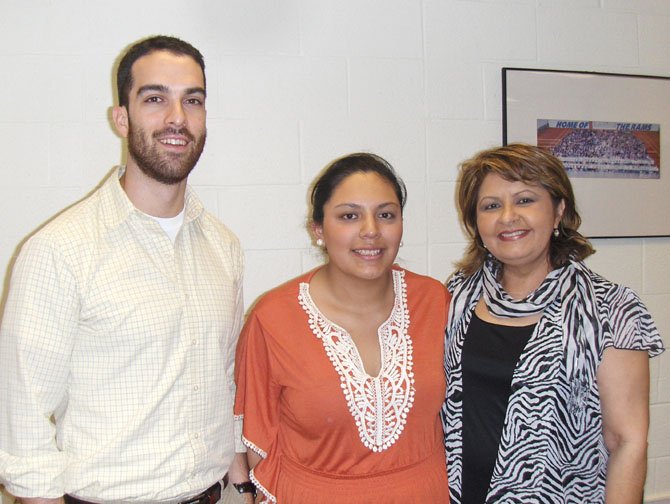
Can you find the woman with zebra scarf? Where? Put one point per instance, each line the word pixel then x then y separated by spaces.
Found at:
pixel 547 362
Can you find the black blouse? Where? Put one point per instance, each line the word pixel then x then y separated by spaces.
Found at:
pixel 490 355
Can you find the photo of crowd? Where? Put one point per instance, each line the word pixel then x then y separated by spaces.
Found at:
pixel 603 149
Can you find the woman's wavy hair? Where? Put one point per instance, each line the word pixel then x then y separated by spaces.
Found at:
pixel 519 163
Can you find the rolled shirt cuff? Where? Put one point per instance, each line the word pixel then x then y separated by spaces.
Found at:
pixel 41 475
pixel 238 421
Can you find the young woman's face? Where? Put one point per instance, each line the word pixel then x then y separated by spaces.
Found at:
pixel 516 221
pixel 362 226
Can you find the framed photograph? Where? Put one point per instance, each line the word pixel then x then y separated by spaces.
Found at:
pixel 612 133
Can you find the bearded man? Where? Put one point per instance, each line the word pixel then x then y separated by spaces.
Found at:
pixel 118 339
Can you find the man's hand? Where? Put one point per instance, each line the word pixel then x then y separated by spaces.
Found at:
pixel 238 472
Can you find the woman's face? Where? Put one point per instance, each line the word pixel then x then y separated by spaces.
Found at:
pixel 362 226
pixel 515 221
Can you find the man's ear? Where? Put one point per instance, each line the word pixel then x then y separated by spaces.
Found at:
pixel 120 117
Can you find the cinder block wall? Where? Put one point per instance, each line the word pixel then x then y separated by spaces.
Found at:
pixel 295 83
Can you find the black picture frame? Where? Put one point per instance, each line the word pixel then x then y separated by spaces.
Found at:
pixel 621 193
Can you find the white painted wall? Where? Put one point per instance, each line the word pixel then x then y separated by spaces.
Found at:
pixel 294 83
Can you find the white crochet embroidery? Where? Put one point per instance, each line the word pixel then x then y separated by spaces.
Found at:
pixel 268 498
pixel 379 405
pixel 261 453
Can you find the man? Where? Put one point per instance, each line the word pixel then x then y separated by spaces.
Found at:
pixel 118 339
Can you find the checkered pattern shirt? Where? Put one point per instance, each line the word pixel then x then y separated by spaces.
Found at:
pixel 117 353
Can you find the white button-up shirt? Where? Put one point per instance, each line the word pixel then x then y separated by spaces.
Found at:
pixel 117 353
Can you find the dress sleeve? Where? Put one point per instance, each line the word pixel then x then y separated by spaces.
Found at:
pixel 257 401
pixel 36 341
pixel 631 326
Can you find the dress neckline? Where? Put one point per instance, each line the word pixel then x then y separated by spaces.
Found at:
pixel 379 404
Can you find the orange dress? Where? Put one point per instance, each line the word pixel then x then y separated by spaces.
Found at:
pixel 329 433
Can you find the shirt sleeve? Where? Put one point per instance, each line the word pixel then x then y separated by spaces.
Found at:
pixel 36 340
pixel 233 342
pixel 631 326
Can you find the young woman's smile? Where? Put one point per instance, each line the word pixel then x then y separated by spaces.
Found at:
pixel 362 226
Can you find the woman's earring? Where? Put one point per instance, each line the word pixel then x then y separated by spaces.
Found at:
pixel 319 242
pixel 556 232
pixel 401 243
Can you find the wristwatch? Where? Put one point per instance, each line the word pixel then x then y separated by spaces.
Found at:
pixel 245 487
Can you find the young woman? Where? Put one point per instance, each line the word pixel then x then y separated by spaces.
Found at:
pixel 339 372
pixel 547 362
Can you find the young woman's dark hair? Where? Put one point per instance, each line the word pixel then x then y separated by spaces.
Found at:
pixel 341 168
pixel 124 76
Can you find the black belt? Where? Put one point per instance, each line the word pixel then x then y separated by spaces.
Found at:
pixel 210 496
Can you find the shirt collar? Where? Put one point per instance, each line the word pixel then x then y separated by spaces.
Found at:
pixel 120 208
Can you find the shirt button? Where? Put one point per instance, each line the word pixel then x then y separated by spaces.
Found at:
pixel 196 387
pixel 194 342
pixel 196 435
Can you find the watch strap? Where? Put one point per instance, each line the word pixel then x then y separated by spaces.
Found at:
pixel 245 487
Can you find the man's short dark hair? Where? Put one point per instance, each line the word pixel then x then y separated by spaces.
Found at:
pixel 124 76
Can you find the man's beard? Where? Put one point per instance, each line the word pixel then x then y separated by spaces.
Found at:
pixel 165 167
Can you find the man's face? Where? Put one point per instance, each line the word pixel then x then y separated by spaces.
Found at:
pixel 165 118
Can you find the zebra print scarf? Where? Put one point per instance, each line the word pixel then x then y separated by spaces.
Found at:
pixel 579 324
